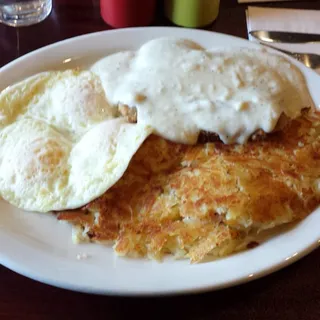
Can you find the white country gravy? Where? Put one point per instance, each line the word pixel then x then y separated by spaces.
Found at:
pixel 180 88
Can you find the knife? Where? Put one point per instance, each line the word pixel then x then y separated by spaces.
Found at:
pixel 287 37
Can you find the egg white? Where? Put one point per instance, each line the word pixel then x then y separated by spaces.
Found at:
pixel 61 145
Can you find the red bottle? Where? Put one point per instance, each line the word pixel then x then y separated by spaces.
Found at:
pixel 127 13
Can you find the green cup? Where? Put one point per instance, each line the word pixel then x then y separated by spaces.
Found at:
pixel 192 13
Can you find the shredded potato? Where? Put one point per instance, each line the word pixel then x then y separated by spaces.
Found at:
pixel 208 199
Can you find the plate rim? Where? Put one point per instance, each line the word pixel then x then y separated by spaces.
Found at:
pixel 164 293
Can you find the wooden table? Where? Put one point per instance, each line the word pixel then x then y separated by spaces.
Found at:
pixel 293 293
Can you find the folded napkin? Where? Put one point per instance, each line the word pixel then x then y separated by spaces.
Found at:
pixel 295 20
pixel 251 1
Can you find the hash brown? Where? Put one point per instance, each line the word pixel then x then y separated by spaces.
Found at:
pixel 206 199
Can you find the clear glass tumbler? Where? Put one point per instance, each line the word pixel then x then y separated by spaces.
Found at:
pixel 19 13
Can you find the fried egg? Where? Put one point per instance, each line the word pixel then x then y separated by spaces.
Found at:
pixel 72 101
pixel 60 143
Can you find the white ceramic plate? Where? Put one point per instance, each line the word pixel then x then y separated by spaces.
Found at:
pixel 39 247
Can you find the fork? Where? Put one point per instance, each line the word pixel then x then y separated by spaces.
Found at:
pixel 310 60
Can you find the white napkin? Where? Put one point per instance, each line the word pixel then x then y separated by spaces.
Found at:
pixel 251 1
pixel 296 20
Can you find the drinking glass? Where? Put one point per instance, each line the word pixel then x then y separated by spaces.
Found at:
pixel 18 13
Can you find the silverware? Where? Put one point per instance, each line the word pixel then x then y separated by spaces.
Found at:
pixel 310 60
pixel 285 37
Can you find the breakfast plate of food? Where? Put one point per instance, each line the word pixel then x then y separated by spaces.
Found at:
pixel 151 161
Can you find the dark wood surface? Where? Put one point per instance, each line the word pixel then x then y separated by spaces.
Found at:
pixel 292 293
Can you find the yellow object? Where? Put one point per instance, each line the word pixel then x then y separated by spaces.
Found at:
pixel 192 13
